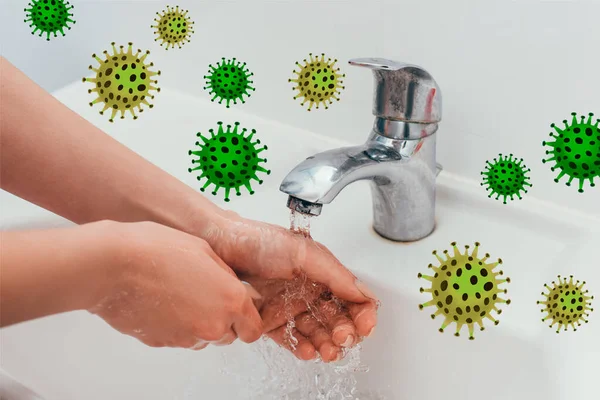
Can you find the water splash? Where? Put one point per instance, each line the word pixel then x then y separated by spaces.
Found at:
pixel 283 377
pixel 266 371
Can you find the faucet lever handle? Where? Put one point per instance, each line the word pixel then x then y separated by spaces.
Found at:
pixel 379 63
pixel 403 92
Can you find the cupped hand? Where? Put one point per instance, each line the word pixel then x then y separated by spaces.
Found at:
pixel 298 279
pixel 172 290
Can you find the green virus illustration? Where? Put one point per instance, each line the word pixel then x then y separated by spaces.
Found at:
pixel 173 27
pixel 318 81
pixel 49 16
pixel 229 159
pixel 465 289
pixel 566 304
pixel 123 81
pixel 229 80
pixel 576 150
pixel 506 177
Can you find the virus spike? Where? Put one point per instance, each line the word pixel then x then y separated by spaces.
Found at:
pixel 49 18
pixel 471 331
pixel 318 81
pixel 204 139
pixel 440 259
pixel 248 187
pixel 456 251
pixel 229 81
pixel 447 321
pixel 122 81
pixel 465 290
pixel 475 250
pixel 506 177
pixel 426 277
pixel 576 151
pixel 261 169
pixel 228 159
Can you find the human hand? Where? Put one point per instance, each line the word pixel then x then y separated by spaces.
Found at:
pixel 172 290
pixel 298 279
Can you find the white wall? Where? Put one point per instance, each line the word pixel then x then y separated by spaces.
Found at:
pixel 507 69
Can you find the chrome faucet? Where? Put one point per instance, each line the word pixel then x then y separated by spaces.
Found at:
pixel 398 157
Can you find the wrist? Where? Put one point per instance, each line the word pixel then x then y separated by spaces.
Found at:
pixel 193 213
pixel 206 219
pixel 104 245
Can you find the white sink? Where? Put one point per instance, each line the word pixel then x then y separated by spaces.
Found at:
pixel 78 356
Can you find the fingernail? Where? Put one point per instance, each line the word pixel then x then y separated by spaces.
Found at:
pixel 365 290
pixel 349 341
pixel 371 331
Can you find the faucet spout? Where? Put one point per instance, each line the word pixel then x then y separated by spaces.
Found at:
pixel 320 178
pixel 402 174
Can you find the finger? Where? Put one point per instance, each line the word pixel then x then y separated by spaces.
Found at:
pixel 248 324
pixel 278 310
pixel 228 338
pixel 319 336
pixel 251 290
pixel 364 317
pixel 199 345
pixel 336 318
pixel 299 345
pixel 151 342
pixel 211 253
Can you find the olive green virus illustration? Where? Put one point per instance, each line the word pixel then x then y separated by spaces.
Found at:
pixel 229 81
pixel 229 159
pixel 173 27
pixel 576 150
pixel 49 17
pixel 318 81
pixel 506 177
pixel 123 81
pixel 465 289
pixel 566 304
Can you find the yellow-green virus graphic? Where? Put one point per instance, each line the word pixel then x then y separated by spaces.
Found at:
pixel 49 16
pixel 506 177
pixel 318 81
pixel 229 80
pixel 123 81
pixel 465 289
pixel 566 304
pixel 173 27
pixel 576 150
pixel 229 159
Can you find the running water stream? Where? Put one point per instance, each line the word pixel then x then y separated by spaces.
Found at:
pixel 266 371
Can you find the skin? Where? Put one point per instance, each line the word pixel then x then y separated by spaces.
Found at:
pixel 148 290
pixel 42 143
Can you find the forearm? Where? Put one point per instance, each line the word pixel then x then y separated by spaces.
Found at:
pixel 53 271
pixel 54 158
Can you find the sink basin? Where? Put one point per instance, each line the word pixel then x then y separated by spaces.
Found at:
pixel 78 356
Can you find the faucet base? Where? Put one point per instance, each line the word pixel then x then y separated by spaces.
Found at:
pixel 403 239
